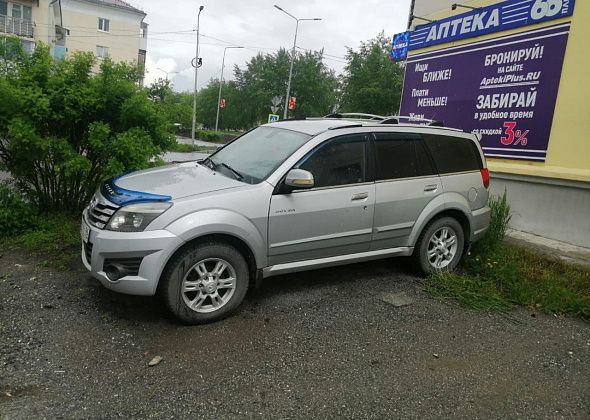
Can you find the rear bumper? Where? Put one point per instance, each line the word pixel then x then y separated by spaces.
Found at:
pixel 480 223
pixel 154 248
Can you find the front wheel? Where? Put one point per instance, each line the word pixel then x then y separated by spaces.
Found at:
pixel 205 283
pixel 440 246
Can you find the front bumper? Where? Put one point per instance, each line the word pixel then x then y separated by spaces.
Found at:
pixel 153 247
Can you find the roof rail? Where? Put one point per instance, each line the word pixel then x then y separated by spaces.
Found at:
pixel 356 115
pixel 395 119
pixel 392 119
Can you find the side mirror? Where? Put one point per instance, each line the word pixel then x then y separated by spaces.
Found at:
pixel 299 178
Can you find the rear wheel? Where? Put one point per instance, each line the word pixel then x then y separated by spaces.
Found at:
pixel 205 283
pixel 440 246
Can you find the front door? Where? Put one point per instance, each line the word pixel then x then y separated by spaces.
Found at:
pixel 333 218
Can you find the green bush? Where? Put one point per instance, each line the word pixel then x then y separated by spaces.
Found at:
pixel 65 126
pixel 208 135
pixel 16 216
pixel 188 148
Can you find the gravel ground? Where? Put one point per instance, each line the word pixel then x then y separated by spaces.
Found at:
pixel 322 344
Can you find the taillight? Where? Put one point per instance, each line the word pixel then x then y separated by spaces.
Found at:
pixel 485 177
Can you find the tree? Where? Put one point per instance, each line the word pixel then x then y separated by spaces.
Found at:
pixel 266 76
pixel 372 83
pixel 67 126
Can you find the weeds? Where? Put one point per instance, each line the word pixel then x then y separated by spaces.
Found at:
pixel 16 215
pixel 501 216
pixel 21 226
pixel 496 276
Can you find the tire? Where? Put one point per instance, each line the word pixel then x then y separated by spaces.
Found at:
pixel 428 243
pixel 208 294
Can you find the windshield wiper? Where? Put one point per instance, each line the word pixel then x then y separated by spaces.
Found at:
pixel 208 163
pixel 238 175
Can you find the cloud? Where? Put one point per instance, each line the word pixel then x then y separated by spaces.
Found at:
pixel 257 25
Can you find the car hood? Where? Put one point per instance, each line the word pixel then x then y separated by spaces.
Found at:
pixel 176 181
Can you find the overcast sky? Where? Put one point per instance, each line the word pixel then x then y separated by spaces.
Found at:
pixel 258 26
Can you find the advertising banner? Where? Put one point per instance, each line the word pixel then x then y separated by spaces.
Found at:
pixel 504 89
pixel 502 16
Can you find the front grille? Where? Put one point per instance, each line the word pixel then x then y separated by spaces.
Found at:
pixel 129 265
pixel 100 212
pixel 88 251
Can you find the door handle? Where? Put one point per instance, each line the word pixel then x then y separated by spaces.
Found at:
pixel 359 196
pixel 430 188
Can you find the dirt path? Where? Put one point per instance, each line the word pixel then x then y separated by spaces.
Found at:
pixel 320 344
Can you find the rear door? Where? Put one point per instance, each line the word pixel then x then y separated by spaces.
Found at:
pixel 406 182
pixel 333 218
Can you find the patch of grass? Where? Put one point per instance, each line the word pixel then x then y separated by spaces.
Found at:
pixel 474 292
pixel 509 275
pixel 55 237
pixel 188 148
pixel 496 276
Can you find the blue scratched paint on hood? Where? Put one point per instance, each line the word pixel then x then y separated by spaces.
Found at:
pixel 122 197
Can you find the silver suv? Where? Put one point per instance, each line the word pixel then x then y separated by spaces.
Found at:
pixel 287 197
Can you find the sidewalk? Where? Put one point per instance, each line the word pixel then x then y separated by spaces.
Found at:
pixel 562 250
pixel 187 140
pixel 183 157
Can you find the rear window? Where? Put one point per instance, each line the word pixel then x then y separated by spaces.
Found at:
pixel 453 154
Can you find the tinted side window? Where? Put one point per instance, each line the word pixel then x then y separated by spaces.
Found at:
pixel 401 156
pixel 340 161
pixel 453 154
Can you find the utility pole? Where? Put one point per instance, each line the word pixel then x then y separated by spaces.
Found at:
pixel 292 56
pixel 196 65
pixel 411 15
pixel 220 84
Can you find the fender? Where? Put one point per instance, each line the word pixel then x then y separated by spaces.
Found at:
pixel 445 201
pixel 455 201
pixel 222 221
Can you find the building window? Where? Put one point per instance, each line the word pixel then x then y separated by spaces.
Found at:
pixel 27 13
pixel 141 58
pixel 18 11
pixel 103 24
pixel 102 52
pixel 28 46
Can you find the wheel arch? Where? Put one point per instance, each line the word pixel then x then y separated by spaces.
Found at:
pixel 441 207
pixel 217 237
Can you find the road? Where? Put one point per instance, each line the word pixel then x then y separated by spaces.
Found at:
pixel 321 344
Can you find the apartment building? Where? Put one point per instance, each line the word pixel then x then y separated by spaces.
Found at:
pixel 106 27
pixel 111 28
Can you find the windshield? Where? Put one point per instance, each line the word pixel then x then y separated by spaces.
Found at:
pixel 258 153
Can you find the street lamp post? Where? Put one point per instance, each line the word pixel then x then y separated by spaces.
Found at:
pixel 196 74
pixel 167 72
pixel 292 56
pixel 220 84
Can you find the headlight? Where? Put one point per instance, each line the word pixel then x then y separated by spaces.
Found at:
pixel 136 217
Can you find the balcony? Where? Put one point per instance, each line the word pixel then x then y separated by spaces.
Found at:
pixel 16 26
